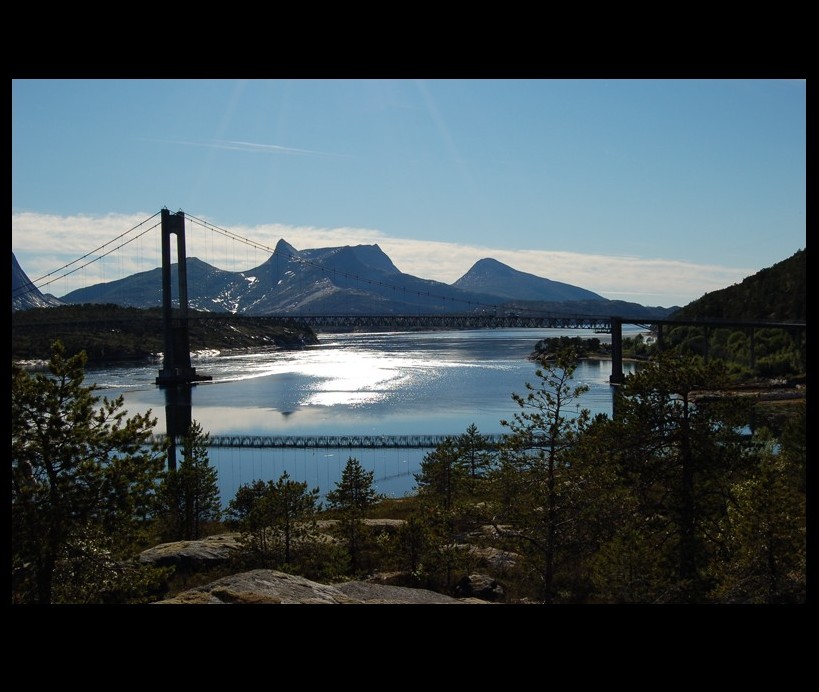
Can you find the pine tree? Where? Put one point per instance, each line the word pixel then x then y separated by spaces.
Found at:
pixel 678 453
pixel 190 494
pixel 245 513
pixel 537 488
pixel 474 453
pixel 80 474
pixel 353 495
pixel 766 525
pixel 275 519
pixel 442 477
pixel 442 482
pixel 291 510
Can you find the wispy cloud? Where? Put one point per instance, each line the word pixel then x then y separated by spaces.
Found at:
pixel 253 147
pixel 44 243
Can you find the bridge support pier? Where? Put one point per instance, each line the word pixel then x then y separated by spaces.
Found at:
pixel 176 360
pixel 177 375
pixel 617 377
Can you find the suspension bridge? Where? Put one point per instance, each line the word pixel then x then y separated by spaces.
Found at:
pixel 157 234
pixel 148 244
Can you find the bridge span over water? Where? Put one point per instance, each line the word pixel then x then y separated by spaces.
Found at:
pixel 335 441
pixel 448 321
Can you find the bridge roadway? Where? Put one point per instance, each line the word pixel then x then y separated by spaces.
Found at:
pixel 513 320
pixel 449 321
pixel 348 441
pixel 333 441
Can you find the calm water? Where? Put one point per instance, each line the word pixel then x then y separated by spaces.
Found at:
pixel 407 383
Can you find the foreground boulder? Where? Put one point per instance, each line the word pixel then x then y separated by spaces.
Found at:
pixel 480 586
pixel 193 556
pixel 270 587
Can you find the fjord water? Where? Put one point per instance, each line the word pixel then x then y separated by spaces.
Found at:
pixel 386 383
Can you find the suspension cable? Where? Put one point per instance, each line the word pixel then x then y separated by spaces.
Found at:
pixel 27 287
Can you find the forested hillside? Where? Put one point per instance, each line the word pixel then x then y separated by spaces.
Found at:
pixel 778 293
pixel 111 332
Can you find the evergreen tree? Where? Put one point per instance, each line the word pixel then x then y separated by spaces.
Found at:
pixel 291 510
pixel 245 513
pixel 766 525
pixel 450 484
pixel 190 494
pixel 678 453
pixel 275 519
pixel 475 454
pixel 442 484
pixel 537 488
pixel 412 546
pixel 84 482
pixel 353 495
pixel 442 476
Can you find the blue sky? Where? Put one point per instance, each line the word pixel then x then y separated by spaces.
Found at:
pixel 650 191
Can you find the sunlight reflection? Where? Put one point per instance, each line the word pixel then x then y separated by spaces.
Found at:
pixel 364 384
pixel 345 398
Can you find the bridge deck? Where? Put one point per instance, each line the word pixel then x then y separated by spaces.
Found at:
pixel 334 441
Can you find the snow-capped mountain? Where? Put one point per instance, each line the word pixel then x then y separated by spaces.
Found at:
pixel 348 280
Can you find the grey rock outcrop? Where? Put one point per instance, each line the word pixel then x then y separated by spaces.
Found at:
pixel 270 587
pixel 264 586
pixel 212 551
pixel 193 556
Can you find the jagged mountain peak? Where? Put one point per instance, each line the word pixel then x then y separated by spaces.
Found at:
pixel 285 249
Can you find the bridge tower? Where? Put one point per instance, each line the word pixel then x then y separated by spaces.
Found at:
pixel 617 377
pixel 176 361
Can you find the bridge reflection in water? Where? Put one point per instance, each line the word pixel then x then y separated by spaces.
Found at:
pixel 335 441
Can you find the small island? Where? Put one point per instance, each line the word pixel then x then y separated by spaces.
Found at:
pixel 636 348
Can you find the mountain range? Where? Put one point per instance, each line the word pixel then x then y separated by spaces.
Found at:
pixel 349 280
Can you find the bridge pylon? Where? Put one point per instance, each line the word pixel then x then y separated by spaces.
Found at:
pixel 176 359
pixel 617 377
